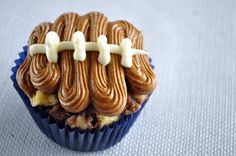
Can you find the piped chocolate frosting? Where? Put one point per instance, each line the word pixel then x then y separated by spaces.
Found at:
pixel 82 83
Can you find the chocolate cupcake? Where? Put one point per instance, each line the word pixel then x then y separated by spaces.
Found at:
pixel 84 79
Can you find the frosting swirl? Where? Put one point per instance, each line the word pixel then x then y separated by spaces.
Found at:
pixel 44 75
pixel 108 87
pixel 79 83
pixel 23 77
pixel 140 76
pixel 73 93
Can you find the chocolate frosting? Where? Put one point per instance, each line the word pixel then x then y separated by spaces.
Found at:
pixel 79 83
pixel 44 75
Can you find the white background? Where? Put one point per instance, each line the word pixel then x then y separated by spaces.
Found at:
pixel 193 46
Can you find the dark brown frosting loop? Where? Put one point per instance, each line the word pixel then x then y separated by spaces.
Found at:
pixel 108 87
pixel 74 90
pixel 44 75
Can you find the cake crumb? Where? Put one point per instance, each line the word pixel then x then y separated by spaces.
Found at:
pixel 41 98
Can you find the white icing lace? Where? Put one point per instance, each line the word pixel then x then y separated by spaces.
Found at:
pixel 53 45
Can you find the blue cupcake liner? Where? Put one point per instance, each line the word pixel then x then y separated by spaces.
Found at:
pixel 76 139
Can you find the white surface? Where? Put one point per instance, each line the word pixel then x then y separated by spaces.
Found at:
pixel 193 46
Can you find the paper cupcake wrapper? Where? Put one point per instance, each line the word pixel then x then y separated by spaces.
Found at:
pixel 76 139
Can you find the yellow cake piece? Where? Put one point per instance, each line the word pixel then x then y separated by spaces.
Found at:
pixel 41 98
pixel 106 120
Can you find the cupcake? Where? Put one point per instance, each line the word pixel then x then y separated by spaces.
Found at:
pixel 84 79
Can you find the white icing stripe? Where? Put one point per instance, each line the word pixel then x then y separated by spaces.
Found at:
pixel 52 42
pixel 53 45
pixel 79 45
pixel 126 52
pixel 104 50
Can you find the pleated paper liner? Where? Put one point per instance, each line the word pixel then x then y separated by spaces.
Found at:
pixel 76 139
